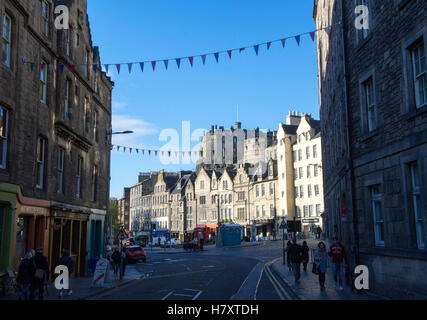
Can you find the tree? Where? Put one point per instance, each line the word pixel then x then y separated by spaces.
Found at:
pixel 114 212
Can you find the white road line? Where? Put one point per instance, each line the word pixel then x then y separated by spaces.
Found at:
pixel 208 266
pixel 257 285
pixel 197 295
pixel 166 296
pixel 191 290
pixel 182 295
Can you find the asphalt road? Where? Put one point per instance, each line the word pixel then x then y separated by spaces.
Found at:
pixel 218 274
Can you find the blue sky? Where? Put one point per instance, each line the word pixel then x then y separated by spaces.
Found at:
pixel 265 86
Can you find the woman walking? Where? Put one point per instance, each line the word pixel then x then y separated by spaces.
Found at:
pixel 305 250
pixel 321 262
pixel 24 276
pixel 288 255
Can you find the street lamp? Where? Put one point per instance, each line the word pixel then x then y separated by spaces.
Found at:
pixel 108 135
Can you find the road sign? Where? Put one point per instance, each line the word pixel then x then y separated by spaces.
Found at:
pixel 100 272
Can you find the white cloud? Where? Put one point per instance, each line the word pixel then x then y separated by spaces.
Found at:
pixel 140 128
pixel 118 105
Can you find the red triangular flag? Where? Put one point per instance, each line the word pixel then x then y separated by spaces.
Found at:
pixel 42 66
pixel 312 34
pixel 204 58
pixel 166 63
pixel 268 45
pixel 283 42
pixel 229 53
pixel 118 68
pixel 191 61
pixel 73 68
pixel 153 63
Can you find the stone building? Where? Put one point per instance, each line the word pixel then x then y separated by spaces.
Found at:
pixel 286 136
pixel 141 202
pixel 308 181
pixel 123 206
pixel 55 105
pixel 242 190
pixel 264 200
pixel 161 202
pixel 220 147
pixel 373 103
pixel 184 208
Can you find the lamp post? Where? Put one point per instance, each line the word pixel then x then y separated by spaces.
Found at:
pixel 109 219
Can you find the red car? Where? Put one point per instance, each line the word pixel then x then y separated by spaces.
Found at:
pixel 136 253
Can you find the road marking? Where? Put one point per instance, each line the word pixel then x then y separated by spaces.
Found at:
pixel 166 296
pixel 197 295
pixel 257 285
pixel 182 295
pixel 208 267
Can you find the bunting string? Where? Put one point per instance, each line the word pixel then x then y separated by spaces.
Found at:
pixel 191 59
pixel 156 151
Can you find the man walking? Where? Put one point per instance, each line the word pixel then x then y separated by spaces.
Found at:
pixel 295 253
pixel 39 271
pixel 69 263
pixel 339 256
pixel 116 261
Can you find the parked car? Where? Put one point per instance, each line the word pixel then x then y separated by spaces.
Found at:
pixel 136 253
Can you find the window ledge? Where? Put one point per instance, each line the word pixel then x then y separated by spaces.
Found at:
pixel 410 115
pixel 369 135
pixel 400 253
pixel 363 42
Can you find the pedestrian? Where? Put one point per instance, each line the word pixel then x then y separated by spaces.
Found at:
pixel 288 255
pixel 321 263
pixel 124 257
pixel 296 258
pixel 202 241
pixel 116 261
pixel 194 243
pixel 24 275
pixel 338 254
pixel 304 255
pixel 69 263
pixel 319 232
pixel 39 271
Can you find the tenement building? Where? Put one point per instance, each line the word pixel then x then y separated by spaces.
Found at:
pixel 55 108
pixel 373 113
pixel 123 206
pixel 308 182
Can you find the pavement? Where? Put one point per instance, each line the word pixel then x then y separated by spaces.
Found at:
pixel 81 286
pixel 308 287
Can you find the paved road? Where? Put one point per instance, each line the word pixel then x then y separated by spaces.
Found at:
pixel 218 274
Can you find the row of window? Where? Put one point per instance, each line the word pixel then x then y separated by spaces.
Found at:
pixel 414 188
pixel 41 166
pixel 263 191
pixel 299 191
pixel 299 172
pixel 297 155
pixel 263 214
pixel 308 211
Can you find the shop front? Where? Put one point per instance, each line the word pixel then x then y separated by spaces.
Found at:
pixel 69 230
pixel 8 195
pixel 95 244
pixel 31 227
pixel 310 226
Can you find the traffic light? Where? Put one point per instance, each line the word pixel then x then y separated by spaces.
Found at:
pixel 153 227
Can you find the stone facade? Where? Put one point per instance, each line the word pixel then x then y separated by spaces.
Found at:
pixel 373 123
pixel 57 109
pixel 123 206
